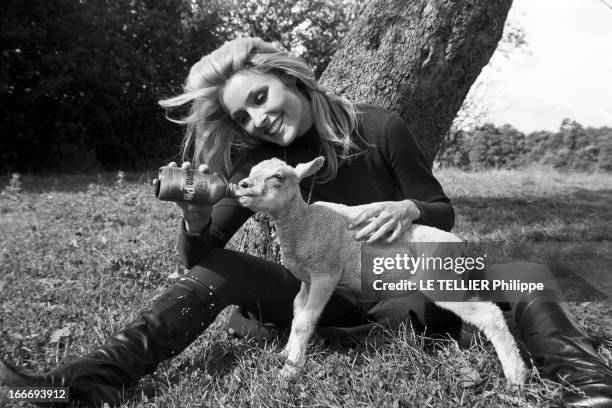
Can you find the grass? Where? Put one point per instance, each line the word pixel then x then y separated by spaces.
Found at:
pixel 81 255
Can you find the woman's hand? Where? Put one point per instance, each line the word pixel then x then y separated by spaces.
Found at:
pixel 385 218
pixel 196 216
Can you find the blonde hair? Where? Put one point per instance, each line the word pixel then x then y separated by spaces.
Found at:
pixel 212 133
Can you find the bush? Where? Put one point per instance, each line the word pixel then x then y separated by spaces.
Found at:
pixel 81 80
pixel 571 148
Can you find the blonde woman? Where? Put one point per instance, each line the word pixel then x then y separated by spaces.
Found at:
pixel 250 100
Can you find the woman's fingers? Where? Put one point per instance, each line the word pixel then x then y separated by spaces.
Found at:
pixel 374 225
pixel 187 165
pixel 386 219
pixel 396 232
pixel 363 216
pixel 382 231
pixel 367 230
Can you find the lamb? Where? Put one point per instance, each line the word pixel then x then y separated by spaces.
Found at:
pixel 320 251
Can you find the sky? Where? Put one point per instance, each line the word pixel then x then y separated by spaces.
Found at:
pixel 565 73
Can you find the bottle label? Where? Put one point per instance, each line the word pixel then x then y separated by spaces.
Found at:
pixel 193 184
pixel 188 187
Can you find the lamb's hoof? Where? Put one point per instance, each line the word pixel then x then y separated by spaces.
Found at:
pixel 285 353
pixel 517 376
pixel 289 371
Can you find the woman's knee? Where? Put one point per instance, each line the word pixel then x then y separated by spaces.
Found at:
pixel 220 266
pixel 236 278
pixel 229 262
pixel 216 259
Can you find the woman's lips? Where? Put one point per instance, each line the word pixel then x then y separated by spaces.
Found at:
pixel 276 125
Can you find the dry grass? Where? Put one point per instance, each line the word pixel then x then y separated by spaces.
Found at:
pixel 85 254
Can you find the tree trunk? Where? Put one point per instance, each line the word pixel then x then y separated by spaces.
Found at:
pixel 418 58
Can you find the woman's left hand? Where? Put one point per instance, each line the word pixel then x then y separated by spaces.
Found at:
pixel 385 218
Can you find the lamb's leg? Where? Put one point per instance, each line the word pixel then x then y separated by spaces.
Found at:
pixel 298 304
pixel 489 318
pixel 304 322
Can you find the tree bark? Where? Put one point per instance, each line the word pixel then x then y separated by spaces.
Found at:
pixel 418 58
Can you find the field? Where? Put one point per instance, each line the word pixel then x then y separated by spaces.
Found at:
pixel 80 255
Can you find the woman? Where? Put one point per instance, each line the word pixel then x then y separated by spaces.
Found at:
pixel 251 101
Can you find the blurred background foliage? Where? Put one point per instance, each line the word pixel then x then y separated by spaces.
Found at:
pixel 572 148
pixel 80 80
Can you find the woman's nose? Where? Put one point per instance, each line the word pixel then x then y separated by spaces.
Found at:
pixel 260 119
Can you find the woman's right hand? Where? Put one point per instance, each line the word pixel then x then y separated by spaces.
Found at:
pixel 196 216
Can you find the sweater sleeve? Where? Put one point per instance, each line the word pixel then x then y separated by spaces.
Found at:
pixel 414 177
pixel 226 218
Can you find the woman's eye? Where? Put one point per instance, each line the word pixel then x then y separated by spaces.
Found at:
pixel 261 97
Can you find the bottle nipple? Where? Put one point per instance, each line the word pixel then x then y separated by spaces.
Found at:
pixel 230 190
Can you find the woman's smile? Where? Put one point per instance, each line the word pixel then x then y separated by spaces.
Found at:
pixel 276 125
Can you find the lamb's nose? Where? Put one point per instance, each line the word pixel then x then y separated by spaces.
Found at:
pixel 244 184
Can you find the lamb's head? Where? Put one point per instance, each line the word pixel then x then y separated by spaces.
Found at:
pixel 273 184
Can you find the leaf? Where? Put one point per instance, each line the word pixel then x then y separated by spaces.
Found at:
pixel 51 281
pixel 58 334
pixel 468 377
pixel 16 336
pixel 113 265
pixel 375 364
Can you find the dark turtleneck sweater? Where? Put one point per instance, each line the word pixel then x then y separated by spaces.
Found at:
pixel 390 168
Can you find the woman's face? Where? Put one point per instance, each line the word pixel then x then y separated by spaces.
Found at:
pixel 266 107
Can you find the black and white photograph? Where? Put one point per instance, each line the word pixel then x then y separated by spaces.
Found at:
pixel 306 203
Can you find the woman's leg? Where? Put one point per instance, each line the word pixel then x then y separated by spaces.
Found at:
pixel 262 288
pixel 172 322
pixel 558 346
pixel 158 333
pixel 424 316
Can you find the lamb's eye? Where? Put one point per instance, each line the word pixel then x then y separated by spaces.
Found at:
pixel 279 177
pixel 242 120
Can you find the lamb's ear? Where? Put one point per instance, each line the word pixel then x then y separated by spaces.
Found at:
pixel 304 170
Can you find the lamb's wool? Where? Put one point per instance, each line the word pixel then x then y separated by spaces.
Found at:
pixel 320 250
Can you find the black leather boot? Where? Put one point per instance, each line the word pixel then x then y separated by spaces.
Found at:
pixel 168 327
pixel 562 351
